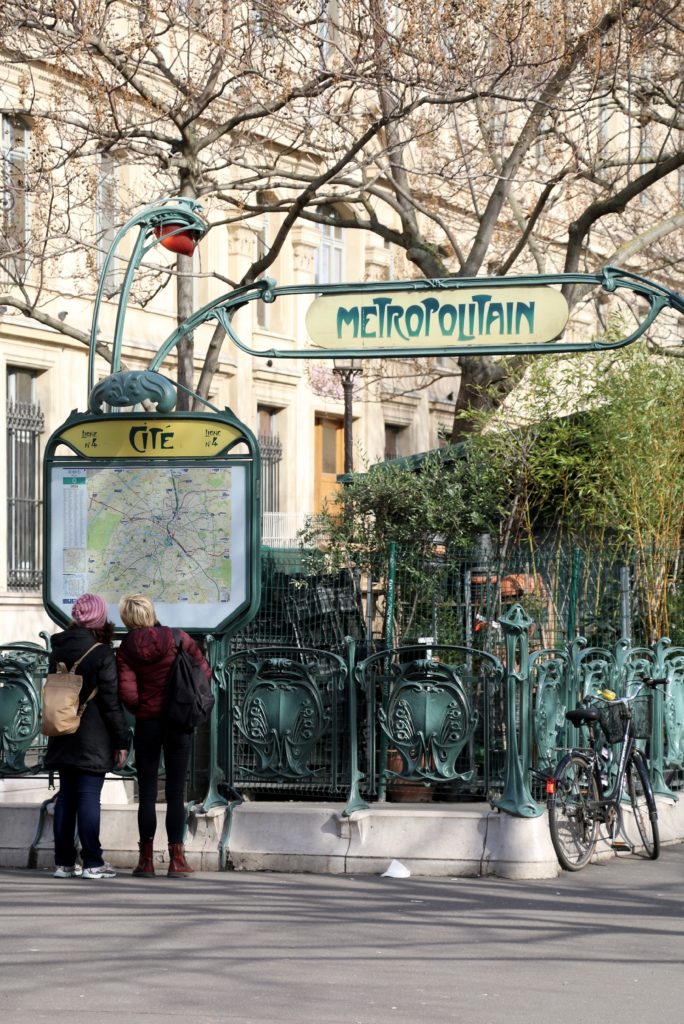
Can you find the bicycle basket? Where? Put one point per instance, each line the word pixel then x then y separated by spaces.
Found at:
pixel 641 716
pixel 612 719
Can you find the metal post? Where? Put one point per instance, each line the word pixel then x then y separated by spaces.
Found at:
pixel 625 602
pixel 574 594
pixel 355 801
pixel 389 640
pixel 348 389
pixel 217 647
pixel 347 371
pixel 516 798
pixel 658 698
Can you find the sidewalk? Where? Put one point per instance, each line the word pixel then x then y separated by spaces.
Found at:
pixel 250 948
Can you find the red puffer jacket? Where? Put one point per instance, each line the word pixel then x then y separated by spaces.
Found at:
pixel 144 661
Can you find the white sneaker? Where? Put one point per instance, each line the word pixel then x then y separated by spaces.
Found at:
pixel 103 871
pixel 61 871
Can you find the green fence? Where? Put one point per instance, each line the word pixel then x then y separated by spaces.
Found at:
pixel 432 725
pixel 304 609
pixel 444 678
pixel 457 596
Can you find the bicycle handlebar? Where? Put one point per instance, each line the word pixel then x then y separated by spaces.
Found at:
pixel 625 700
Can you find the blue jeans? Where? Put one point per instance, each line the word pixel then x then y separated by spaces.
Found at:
pixel 151 737
pixel 78 808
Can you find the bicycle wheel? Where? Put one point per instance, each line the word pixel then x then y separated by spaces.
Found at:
pixel 643 804
pixel 572 812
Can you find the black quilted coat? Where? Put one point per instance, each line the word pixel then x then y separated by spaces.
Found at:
pixel 103 728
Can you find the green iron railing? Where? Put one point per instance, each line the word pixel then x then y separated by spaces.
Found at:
pixel 298 721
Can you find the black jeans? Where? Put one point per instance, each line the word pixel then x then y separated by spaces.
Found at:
pixel 151 737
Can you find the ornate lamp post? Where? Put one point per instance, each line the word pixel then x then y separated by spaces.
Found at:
pixel 347 370
pixel 177 225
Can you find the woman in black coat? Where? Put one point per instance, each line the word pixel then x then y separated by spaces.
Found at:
pixel 99 744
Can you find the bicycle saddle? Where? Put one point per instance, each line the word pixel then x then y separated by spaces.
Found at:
pixel 581 715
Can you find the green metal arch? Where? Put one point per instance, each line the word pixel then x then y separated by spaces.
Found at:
pixel 611 279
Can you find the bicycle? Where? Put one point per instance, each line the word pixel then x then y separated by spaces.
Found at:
pixel 580 794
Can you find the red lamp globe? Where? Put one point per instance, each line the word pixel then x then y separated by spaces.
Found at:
pixel 176 239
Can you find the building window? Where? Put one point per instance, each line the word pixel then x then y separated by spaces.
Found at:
pixel 329 257
pixel 271 449
pixel 25 424
pixel 329 461
pixel 498 125
pixel 262 18
pixel 107 215
pixel 392 444
pixel 13 244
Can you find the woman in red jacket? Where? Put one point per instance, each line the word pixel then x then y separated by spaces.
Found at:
pixel 144 662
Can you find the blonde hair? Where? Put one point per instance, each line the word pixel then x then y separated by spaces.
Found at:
pixel 137 611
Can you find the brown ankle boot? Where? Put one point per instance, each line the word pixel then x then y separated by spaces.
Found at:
pixel 178 865
pixel 145 865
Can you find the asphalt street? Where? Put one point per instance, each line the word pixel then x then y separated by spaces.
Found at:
pixel 605 943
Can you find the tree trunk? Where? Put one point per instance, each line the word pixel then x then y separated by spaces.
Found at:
pixel 186 346
pixel 485 382
pixel 185 306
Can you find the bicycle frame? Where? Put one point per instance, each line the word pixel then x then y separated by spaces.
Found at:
pixel 611 798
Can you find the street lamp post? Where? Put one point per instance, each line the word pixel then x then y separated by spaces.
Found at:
pixel 347 370
pixel 177 225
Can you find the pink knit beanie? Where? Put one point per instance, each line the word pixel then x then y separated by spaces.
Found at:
pixel 90 611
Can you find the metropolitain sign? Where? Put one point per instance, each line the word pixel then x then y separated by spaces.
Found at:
pixel 440 317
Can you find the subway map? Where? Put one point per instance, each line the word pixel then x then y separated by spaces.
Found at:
pixel 162 531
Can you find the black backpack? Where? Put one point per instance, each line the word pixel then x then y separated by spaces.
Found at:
pixel 189 698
